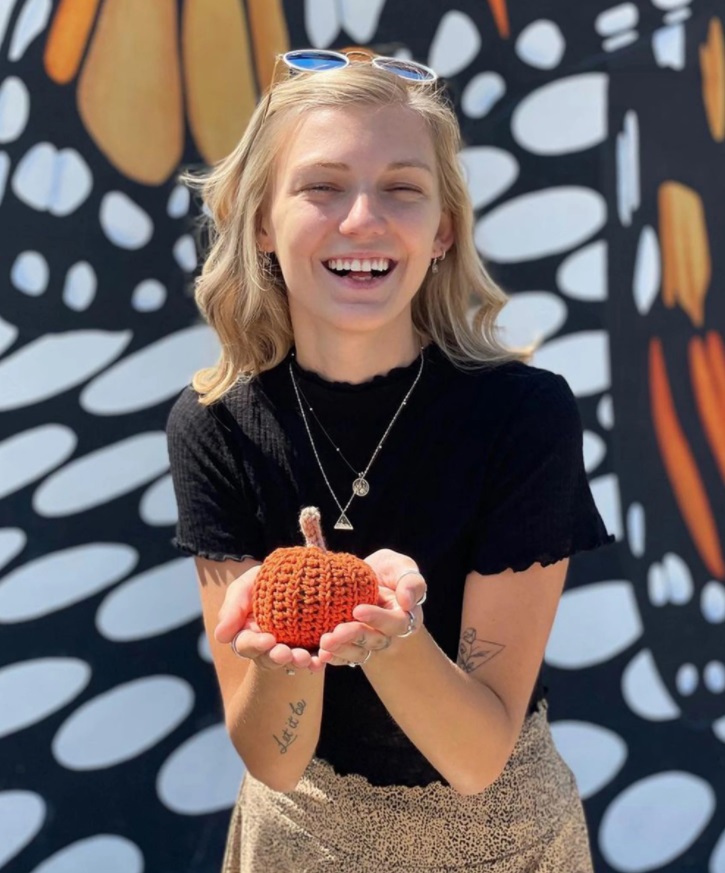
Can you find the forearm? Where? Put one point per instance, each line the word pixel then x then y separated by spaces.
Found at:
pixel 456 722
pixel 274 723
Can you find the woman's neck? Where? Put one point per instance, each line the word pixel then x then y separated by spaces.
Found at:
pixel 354 359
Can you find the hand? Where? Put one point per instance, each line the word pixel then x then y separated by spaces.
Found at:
pixel 237 625
pixel 376 627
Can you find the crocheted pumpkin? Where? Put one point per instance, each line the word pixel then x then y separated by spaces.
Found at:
pixel 305 591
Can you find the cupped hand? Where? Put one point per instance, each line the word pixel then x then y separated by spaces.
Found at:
pixel 237 626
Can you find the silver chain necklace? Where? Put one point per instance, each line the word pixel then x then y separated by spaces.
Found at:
pixel 361 486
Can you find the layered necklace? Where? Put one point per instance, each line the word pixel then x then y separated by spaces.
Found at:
pixel 360 485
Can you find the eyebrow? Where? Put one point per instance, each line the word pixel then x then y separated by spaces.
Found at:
pixel 409 163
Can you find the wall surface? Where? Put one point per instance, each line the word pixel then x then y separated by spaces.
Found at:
pixel 595 148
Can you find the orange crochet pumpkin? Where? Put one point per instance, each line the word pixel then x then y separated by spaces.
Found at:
pixel 303 592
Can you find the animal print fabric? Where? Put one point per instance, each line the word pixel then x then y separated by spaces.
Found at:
pixel 530 820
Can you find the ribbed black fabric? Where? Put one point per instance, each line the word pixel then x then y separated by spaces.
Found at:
pixel 482 471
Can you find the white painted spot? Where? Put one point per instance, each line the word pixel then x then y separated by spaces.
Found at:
pixel 677 16
pixel 102 475
pixel 321 22
pixel 713 677
pixel 76 573
pixel 594 449
pixel 644 691
pixel 22 814
pixel 52 180
pixel 717 859
pixel 185 253
pixel 455 44
pixel 647 270
pixel 582 358
pixel 621 17
pixel 12 543
pixel 203 648
pixel 530 316
pixel 124 222
pixel 30 273
pixel 565 116
pixel 489 172
pixel 14 108
pixel 669 47
pixel 541 44
pixel 712 602
pixel 636 529
pixel 55 363
pixel 173 360
pixel 679 579
pixel 605 412
pixel 655 820
pixel 541 223
pixel 594 754
pixel 670 4
pixel 605 491
pixel 158 505
pixel 122 723
pixel 718 728
pixel 482 93
pixel 583 275
pixel 30 454
pixel 593 624
pixel 4 170
pixel 658 586
pixel 148 296
pixel 687 679
pixel 627 157
pixel 8 335
pixel 6 10
pixel 31 22
pixel 152 603
pixel 79 290
pixel 179 202
pixel 360 18
pixel 32 690
pixel 202 776
pixel 107 852
pixel 621 40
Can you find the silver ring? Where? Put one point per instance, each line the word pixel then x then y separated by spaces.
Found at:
pixel 423 598
pixel 233 644
pixel 360 663
pixel 411 626
pixel 289 671
pixel 408 573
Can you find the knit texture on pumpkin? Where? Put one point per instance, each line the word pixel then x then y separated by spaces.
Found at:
pixel 302 592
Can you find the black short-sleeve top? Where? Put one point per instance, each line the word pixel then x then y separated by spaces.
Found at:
pixel 482 471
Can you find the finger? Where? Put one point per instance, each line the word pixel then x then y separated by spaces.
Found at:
pixel 251 645
pixel 236 606
pixel 389 622
pixel 352 632
pixel 410 590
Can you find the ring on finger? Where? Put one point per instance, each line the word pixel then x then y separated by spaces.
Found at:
pixel 411 625
pixel 233 644
pixel 422 599
pixel 289 670
pixel 360 663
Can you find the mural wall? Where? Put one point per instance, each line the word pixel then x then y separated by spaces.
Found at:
pixel 595 147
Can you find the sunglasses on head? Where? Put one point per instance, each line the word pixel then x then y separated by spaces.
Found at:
pixel 319 60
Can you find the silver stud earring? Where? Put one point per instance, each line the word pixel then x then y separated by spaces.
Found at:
pixel 434 266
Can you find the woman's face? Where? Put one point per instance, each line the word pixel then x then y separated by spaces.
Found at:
pixel 354 219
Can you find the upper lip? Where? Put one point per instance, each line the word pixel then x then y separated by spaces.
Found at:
pixel 360 256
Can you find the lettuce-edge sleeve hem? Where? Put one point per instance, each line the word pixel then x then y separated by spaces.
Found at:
pixel 198 552
pixel 520 563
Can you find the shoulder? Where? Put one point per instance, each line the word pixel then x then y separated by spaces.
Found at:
pixel 189 417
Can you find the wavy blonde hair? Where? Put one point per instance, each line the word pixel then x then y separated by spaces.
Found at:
pixel 242 295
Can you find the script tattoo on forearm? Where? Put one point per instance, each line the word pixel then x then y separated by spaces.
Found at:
pixel 473 652
pixel 290 726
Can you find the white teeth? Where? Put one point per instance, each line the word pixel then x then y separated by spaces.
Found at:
pixel 358 265
pixel 365 266
pixel 355 265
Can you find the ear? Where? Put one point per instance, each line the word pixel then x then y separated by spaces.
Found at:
pixel 265 240
pixel 445 235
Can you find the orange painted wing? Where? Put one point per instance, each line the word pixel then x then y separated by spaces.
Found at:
pixel 219 74
pixel 499 10
pixel 269 36
pixel 681 467
pixel 129 93
pixel 67 38
pixel 710 404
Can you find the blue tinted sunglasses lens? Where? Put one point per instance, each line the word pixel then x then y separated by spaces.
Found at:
pixel 313 61
pixel 408 70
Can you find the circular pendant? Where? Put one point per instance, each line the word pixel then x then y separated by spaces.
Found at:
pixel 360 487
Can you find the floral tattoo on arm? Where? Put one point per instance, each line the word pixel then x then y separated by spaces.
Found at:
pixel 473 652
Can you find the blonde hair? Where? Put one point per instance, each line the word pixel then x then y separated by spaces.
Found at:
pixel 241 294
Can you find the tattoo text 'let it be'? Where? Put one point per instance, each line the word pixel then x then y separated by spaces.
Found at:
pixel 473 652
pixel 290 726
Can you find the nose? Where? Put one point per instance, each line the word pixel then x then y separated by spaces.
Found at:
pixel 364 216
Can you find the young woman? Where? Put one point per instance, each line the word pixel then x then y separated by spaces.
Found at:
pixel 361 373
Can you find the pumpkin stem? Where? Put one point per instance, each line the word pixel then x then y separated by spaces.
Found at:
pixel 311 527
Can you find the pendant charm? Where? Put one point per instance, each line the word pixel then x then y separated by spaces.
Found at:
pixel 360 486
pixel 343 523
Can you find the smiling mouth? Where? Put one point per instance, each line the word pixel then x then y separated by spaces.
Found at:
pixel 370 268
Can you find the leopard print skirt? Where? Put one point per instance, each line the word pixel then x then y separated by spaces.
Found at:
pixel 530 820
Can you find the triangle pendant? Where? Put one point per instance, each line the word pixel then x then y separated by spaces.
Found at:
pixel 343 523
